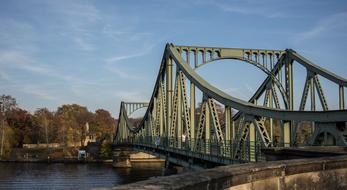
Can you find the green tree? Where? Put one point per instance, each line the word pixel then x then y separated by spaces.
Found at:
pixel 43 121
pixel 71 120
pixel 106 150
pixel 9 141
pixel 21 123
pixel 103 125
pixel 7 103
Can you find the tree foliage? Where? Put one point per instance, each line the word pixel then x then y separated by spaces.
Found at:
pixel 43 121
pixel 106 150
pixel 8 102
pixel 103 125
pixel 21 122
pixel 66 126
pixel 71 120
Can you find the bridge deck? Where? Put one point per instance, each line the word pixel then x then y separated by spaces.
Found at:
pixel 183 157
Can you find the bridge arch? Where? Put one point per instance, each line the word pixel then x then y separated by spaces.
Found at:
pixel 261 67
pixel 169 111
pixel 325 138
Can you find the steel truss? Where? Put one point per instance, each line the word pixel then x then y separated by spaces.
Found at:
pixel 171 111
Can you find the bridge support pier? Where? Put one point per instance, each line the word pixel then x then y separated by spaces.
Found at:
pixel 121 159
pixel 169 168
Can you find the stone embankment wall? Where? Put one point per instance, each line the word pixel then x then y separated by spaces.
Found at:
pixel 316 173
pixel 141 156
pixel 125 158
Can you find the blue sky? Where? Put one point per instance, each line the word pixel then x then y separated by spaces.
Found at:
pixel 97 53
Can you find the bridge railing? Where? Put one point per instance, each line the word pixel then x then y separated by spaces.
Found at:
pixel 250 151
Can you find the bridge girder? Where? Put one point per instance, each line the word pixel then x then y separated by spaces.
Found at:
pixel 171 113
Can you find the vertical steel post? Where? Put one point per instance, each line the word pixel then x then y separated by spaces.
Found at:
pixel 192 115
pixel 196 53
pixel 288 125
pixel 227 113
pixel 313 95
pixel 207 129
pixel 123 129
pixel 168 95
pixel 271 120
pixel 161 110
pixel 145 131
pixel 233 140
pixel 233 130
pixel 341 98
pixel 252 142
pixel 120 126
pixel 313 99
pixel 154 113
pixel 179 111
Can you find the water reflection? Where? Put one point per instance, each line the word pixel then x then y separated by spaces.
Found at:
pixel 72 176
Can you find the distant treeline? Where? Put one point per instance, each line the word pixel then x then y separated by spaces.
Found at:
pixel 65 125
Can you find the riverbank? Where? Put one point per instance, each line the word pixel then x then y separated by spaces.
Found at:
pixel 52 155
pixel 59 161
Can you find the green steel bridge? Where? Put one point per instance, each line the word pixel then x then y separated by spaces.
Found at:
pixel 175 128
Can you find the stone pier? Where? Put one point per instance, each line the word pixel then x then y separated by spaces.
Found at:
pixel 123 158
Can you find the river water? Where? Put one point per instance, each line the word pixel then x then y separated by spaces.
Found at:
pixel 71 176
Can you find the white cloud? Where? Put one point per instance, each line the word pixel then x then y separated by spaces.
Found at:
pixel 121 33
pixel 83 44
pixel 249 88
pixel 123 74
pixel 37 91
pixel 252 10
pixel 240 93
pixel 255 8
pixel 332 23
pixel 18 60
pixel 233 91
pixel 76 19
pixel 19 35
pixel 118 58
pixel 75 11
pixel 112 63
pixel 140 52
pixel 126 95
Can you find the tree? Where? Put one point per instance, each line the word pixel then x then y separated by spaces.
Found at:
pixel 106 150
pixel 21 122
pixel 43 121
pixel 9 141
pixel 71 120
pixel 8 102
pixel 103 125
